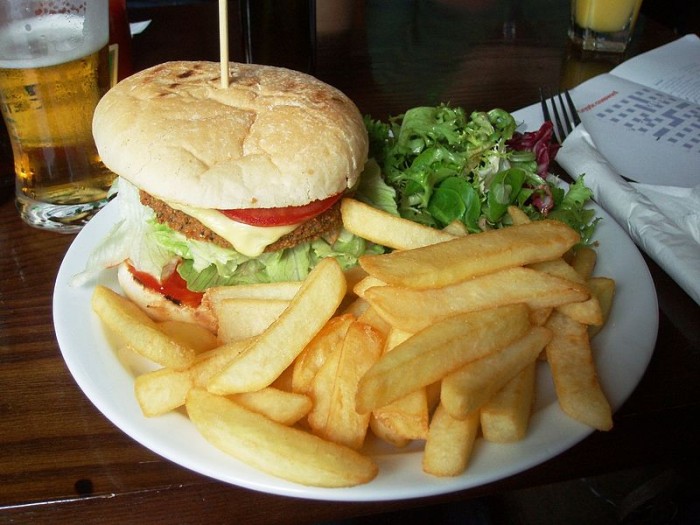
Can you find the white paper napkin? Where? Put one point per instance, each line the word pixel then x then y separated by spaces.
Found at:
pixel 664 221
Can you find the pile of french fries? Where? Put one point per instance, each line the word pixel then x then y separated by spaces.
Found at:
pixel 438 340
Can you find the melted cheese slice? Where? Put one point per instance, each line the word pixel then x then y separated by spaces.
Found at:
pixel 246 239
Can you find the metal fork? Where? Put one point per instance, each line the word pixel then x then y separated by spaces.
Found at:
pixel 564 111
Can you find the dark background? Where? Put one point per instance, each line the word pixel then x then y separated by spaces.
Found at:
pixel 680 15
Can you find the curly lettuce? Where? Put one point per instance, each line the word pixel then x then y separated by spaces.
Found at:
pixel 446 166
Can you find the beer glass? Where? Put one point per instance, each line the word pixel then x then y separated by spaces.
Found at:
pixel 53 71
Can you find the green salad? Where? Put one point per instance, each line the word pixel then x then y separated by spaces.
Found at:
pixel 437 165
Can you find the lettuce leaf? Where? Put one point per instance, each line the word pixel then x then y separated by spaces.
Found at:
pixel 204 266
pixel 573 211
pixel 373 190
pixel 132 237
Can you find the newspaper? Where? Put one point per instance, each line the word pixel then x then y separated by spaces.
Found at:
pixel 639 148
pixel 644 116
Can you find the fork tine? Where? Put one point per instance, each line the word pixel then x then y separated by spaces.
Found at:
pixel 559 126
pixel 563 115
pixel 572 108
pixel 544 97
pixel 566 122
pixel 543 103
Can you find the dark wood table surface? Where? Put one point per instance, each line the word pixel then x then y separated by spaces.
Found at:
pixel 62 461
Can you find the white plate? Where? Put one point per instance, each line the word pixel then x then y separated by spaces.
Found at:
pixel 622 350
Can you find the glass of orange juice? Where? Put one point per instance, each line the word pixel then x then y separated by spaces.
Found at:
pixel 603 25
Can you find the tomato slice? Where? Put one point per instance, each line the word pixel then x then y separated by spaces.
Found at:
pixel 281 216
pixel 174 287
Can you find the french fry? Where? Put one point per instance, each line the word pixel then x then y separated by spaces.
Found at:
pixel 162 390
pixel 573 370
pixel 559 268
pixel 122 316
pixel 443 347
pixel 321 390
pixel 450 443
pixel 372 318
pixel 395 337
pixel 282 291
pixel 456 228
pixel 506 416
pixel 135 363
pixel 409 416
pixel 472 255
pixel 189 334
pixel 518 216
pixel 284 380
pixel 356 307
pixel 368 282
pixel 209 364
pixel 385 229
pixel 315 354
pixel 245 318
pixel 342 423
pixel 585 312
pixel 539 316
pixel 432 393
pixel 354 275
pixel 165 389
pixel 279 450
pixel 280 406
pixel 411 309
pixel 275 349
pixel 387 434
pixel 350 303
pixel 603 289
pixel 469 387
pixel 584 261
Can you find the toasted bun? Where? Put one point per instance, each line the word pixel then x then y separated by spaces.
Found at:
pixel 159 307
pixel 273 138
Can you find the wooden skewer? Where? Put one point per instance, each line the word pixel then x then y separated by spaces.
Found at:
pixel 223 41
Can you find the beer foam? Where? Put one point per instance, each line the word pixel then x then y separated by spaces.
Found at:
pixel 48 41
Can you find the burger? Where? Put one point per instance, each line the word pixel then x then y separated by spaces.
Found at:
pixel 225 183
pixel 240 182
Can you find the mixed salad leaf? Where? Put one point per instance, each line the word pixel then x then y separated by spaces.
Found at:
pixel 444 165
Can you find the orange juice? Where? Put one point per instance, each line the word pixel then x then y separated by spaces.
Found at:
pixel 606 16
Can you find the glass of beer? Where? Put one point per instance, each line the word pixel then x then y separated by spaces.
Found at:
pixel 53 71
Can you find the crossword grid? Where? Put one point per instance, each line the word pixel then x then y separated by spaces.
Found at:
pixel 651 112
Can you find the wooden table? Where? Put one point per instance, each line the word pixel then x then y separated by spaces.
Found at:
pixel 60 458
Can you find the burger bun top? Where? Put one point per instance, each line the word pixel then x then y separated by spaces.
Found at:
pixel 274 138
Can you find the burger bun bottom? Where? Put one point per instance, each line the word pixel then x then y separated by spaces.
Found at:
pixel 161 308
